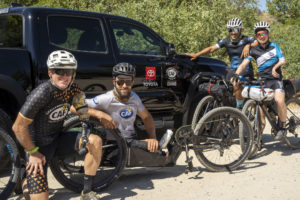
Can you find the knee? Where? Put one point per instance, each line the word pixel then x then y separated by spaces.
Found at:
pixel 95 141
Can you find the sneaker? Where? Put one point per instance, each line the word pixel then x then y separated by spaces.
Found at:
pixel 164 141
pixel 89 196
pixel 280 134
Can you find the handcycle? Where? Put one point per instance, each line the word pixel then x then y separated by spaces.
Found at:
pixel 269 108
pixel 68 170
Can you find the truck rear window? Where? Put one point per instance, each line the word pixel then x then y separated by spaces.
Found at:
pixel 11 34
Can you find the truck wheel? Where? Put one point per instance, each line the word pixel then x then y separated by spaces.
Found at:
pixel 5 124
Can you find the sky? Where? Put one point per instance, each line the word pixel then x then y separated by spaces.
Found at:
pixel 262 5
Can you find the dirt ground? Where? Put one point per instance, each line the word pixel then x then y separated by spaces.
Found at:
pixel 273 175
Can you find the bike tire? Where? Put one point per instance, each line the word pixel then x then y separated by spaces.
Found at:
pixel 292 137
pixel 205 105
pixel 249 109
pixel 11 172
pixel 6 124
pixel 70 174
pixel 209 139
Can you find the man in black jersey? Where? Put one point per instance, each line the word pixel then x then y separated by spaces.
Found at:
pixel 40 121
pixel 237 46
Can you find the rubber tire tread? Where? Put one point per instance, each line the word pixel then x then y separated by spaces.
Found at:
pixel 7 191
pixel 287 141
pixel 74 186
pixel 199 107
pixel 221 168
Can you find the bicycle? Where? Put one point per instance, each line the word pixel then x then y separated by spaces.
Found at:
pixel 68 170
pixel 269 108
pixel 219 94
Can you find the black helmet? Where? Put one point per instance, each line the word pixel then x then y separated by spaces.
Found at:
pixel 125 69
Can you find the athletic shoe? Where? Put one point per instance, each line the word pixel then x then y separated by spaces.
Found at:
pixel 280 134
pixel 89 196
pixel 164 141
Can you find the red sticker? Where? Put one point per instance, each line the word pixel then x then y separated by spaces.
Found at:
pixel 150 73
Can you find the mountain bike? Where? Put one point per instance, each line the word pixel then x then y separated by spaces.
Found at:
pixel 269 108
pixel 223 141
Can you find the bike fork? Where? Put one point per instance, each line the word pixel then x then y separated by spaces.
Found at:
pixel 189 159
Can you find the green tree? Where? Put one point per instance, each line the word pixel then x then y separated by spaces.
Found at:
pixel 285 11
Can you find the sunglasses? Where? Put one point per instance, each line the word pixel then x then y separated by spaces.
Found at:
pixel 121 82
pixel 235 30
pixel 261 34
pixel 61 72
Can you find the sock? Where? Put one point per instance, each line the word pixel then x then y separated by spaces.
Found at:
pixel 87 183
pixel 239 103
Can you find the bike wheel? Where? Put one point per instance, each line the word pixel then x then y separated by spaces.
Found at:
pixel 206 104
pixel 292 138
pixel 10 172
pixel 69 170
pixel 250 110
pixel 217 143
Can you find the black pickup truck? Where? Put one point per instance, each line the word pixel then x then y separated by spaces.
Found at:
pixel 166 81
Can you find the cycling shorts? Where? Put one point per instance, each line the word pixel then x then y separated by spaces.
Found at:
pixel 276 85
pixel 64 144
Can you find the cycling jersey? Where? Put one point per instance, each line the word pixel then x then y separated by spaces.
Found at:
pixel 123 114
pixel 266 59
pixel 47 107
pixel 234 50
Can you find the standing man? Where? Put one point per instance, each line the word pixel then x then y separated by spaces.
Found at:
pixel 123 105
pixel 39 124
pixel 237 46
pixel 269 59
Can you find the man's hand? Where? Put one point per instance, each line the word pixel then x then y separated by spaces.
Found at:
pixel 274 73
pixel 107 121
pixel 192 55
pixel 35 163
pixel 152 145
pixel 234 79
pixel 245 52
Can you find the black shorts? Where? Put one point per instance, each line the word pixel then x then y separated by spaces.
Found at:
pixel 276 85
pixel 64 144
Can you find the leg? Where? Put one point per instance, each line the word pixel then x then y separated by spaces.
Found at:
pixel 281 107
pixel 37 186
pixel 263 119
pixel 93 157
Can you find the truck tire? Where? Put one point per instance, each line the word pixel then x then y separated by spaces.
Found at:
pixel 5 124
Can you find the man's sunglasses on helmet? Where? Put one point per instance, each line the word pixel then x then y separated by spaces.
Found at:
pixel 235 30
pixel 261 34
pixel 121 82
pixel 61 72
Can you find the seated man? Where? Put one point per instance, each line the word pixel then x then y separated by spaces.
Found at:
pixel 123 105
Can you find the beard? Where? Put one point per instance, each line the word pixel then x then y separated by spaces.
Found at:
pixel 123 96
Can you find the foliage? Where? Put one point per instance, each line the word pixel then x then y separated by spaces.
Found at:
pixel 285 11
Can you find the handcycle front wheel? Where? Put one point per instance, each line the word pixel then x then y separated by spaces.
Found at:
pixel 292 137
pixel 10 172
pixel 217 142
pixel 69 170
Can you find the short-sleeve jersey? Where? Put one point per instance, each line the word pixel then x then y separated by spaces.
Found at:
pixel 123 114
pixel 235 50
pixel 47 106
pixel 266 58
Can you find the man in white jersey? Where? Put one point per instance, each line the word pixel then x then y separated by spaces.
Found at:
pixel 123 105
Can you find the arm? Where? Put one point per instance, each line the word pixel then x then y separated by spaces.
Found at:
pixel 150 129
pixel 242 66
pixel 20 128
pixel 246 49
pixel 278 64
pixel 205 51
pixel 103 118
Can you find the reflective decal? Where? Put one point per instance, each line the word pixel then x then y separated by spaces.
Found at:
pixel 126 113
pixel 171 73
pixel 150 73
pixel 171 83
pixel 150 83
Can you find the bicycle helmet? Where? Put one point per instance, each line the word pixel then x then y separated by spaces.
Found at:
pixel 235 23
pixel 125 69
pixel 262 26
pixel 61 60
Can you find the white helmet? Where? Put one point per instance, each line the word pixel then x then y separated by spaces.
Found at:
pixel 262 26
pixel 235 23
pixel 61 60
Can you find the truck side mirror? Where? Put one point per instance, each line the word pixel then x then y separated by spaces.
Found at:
pixel 170 50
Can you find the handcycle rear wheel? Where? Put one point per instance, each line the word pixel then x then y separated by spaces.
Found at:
pixel 69 170
pixel 217 143
pixel 292 138
pixel 250 110
pixel 10 172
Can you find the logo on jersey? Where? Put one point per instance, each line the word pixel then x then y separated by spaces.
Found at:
pixel 271 54
pixel 58 113
pixel 150 73
pixel 126 113
pixel 241 43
